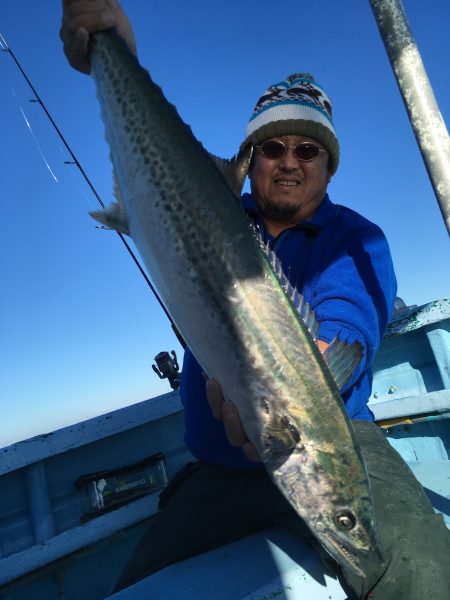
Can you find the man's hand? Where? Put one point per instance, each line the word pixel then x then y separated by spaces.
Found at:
pixel 226 411
pixel 83 17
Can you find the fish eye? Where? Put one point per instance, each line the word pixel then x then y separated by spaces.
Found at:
pixel 346 520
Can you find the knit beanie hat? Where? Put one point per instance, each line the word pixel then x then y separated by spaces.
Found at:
pixel 295 106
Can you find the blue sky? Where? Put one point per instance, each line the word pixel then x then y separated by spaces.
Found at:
pixel 78 326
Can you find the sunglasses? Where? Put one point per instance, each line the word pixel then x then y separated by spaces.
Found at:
pixel 274 150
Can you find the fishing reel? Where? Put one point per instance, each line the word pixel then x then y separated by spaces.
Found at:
pixel 167 368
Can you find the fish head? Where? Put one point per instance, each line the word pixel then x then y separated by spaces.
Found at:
pixel 347 530
pixel 337 509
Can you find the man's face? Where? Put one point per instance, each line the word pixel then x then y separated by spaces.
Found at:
pixel 288 190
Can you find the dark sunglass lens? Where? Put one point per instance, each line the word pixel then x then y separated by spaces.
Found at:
pixel 273 150
pixel 306 151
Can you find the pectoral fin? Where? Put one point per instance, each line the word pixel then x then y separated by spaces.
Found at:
pixel 113 217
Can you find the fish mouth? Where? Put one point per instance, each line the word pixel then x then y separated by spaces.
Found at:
pixel 350 558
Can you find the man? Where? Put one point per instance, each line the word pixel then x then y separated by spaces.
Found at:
pixel 341 264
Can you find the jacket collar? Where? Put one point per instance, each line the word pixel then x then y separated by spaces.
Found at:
pixel 324 215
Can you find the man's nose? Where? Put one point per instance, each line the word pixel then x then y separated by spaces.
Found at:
pixel 289 160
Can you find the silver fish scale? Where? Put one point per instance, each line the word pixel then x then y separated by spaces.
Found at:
pixel 227 303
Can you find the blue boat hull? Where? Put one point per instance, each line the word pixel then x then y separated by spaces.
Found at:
pixel 48 551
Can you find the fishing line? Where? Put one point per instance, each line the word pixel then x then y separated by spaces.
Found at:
pixel 37 99
pixel 37 144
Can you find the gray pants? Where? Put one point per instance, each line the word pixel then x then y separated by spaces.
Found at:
pixel 206 506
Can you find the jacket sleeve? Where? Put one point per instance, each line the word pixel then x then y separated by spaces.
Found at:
pixel 355 294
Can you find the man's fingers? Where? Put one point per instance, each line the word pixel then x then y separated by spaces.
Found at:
pixel 76 50
pixel 75 8
pixel 83 17
pixel 95 21
pixel 227 412
pixel 92 15
pixel 215 398
pixel 235 432
pixel 250 452
pixel 233 426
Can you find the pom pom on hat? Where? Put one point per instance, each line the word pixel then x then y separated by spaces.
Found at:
pixel 295 106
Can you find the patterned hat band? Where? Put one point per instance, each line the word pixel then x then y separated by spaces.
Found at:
pixel 295 106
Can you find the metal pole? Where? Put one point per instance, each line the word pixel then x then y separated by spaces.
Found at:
pixel 424 114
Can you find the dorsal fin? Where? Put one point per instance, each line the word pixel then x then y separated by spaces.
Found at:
pixel 304 310
pixel 341 357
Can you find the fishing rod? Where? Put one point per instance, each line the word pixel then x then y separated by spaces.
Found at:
pixel 6 48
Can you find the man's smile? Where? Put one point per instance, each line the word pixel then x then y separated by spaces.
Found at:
pixel 284 182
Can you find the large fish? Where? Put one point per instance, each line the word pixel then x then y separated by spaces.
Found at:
pixel 184 215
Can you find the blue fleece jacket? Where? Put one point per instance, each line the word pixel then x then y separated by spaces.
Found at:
pixel 341 264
